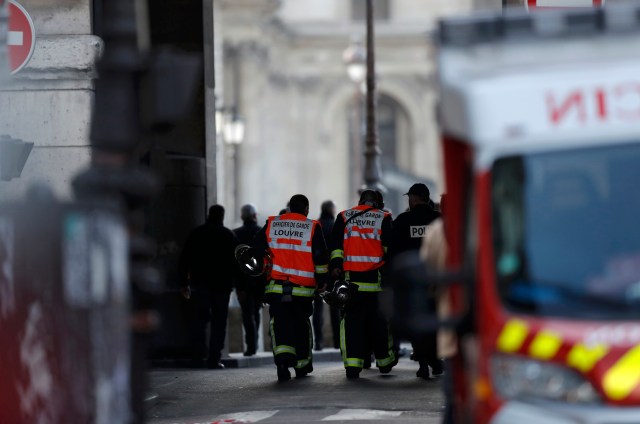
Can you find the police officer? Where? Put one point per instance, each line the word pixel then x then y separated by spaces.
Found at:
pixel 409 228
pixel 358 245
pixel 299 254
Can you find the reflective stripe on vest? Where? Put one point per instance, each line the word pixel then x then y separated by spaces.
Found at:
pixel 289 237
pixel 374 259
pixel 363 249
pixel 292 272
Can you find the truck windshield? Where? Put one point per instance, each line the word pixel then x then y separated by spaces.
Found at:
pixel 566 232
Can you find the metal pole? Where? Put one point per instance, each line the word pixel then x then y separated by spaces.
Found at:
pixel 372 170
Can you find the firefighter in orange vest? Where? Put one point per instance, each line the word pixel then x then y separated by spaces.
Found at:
pixel 358 247
pixel 298 250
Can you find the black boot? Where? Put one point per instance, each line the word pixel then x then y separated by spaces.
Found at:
pixel 302 372
pixel 423 371
pixel 283 373
pixel 352 373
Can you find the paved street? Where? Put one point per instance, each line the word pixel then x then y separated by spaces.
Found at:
pixel 254 395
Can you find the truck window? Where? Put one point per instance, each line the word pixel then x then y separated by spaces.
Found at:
pixel 566 234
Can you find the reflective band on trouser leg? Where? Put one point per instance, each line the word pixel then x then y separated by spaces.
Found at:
pixel 322 269
pixel 354 362
pixel 278 349
pixel 348 362
pixel 284 349
pixel 624 376
pixel 512 336
pixel 392 356
pixel 368 287
pixel 272 331
pixel 338 253
pixel 343 340
pixel 304 362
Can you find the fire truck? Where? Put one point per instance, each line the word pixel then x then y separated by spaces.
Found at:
pixel 540 120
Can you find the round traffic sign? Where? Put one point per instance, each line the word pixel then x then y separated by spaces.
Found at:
pixel 561 4
pixel 21 37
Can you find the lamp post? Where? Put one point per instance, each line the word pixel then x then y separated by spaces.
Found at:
pixel 357 72
pixel 355 60
pixel 372 169
pixel 233 129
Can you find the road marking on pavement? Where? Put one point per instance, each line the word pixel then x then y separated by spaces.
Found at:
pixel 244 417
pixel 362 414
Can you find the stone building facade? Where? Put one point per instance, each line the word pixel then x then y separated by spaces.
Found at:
pixel 284 74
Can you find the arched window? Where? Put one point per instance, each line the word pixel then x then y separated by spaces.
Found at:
pixel 396 146
pixel 387 127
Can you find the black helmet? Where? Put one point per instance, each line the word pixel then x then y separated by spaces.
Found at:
pixel 340 295
pixel 250 265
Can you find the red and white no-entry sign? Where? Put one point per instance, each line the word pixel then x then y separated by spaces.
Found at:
pixel 561 4
pixel 21 37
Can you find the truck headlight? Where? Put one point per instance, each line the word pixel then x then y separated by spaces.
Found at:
pixel 520 378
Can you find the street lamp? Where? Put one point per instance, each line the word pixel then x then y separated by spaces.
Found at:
pixel 355 58
pixel 233 133
pixel 233 128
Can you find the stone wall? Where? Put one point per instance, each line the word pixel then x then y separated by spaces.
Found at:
pixel 49 102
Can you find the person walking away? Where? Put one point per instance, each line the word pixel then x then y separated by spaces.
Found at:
pixel 299 255
pixel 409 230
pixel 359 241
pixel 249 290
pixel 326 220
pixel 208 269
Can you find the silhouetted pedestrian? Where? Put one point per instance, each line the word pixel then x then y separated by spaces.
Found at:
pixel 249 290
pixel 327 219
pixel 208 270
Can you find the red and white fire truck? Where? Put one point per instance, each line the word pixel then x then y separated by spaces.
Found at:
pixel 540 117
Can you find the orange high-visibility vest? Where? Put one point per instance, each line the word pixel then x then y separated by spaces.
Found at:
pixel 289 237
pixel 363 250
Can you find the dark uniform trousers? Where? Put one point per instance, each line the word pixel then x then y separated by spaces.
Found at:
pixel 290 325
pixel 425 347
pixel 250 306
pixel 364 327
pixel 209 306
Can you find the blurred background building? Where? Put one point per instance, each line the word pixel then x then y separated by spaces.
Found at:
pixel 285 75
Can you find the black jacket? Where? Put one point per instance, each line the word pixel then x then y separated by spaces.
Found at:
pixel 409 227
pixel 326 221
pixel 245 235
pixel 208 258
